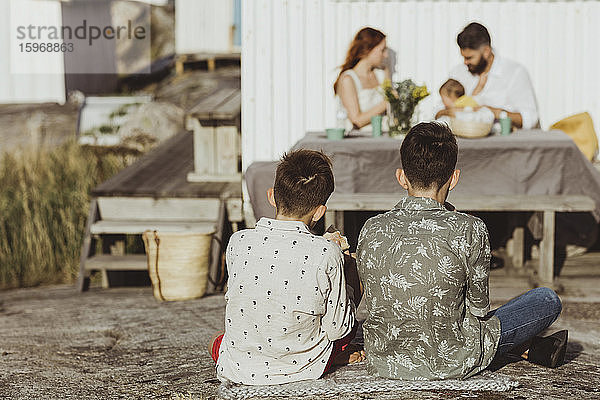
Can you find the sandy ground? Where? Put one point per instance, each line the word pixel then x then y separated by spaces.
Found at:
pixel 121 343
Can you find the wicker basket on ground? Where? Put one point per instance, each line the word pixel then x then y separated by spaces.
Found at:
pixel 470 129
pixel 178 263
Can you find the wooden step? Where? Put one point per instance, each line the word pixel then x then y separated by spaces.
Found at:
pixel 138 227
pixel 131 262
pixel 167 209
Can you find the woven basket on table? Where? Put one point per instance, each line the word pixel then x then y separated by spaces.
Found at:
pixel 178 263
pixel 470 129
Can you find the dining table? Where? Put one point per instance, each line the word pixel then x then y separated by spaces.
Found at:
pixel 526 162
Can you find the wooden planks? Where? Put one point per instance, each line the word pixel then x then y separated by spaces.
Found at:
pixel 224 104
pixel 162 209
pixel 117 263
pixel 216 152
pixel 555 203
pixel 154 193
pixel 230 108
pixel 386 201
pixel 139 227
pixel 166 209
pixel 163 173
pixel 215 123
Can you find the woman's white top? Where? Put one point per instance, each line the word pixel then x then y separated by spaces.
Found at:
pixel 367 98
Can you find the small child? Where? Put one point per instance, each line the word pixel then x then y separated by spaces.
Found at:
pixel 463 107
pixel 289 314
pixel 453 95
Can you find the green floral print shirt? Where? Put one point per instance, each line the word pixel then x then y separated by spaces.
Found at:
pixel 425 271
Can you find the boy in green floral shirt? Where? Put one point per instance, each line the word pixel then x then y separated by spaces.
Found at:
pixel 425 271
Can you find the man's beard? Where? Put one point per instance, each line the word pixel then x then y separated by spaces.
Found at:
pixel 479 68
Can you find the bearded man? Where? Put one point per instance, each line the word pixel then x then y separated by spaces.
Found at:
pixel 495 82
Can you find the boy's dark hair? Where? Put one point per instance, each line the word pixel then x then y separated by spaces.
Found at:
pixel 303 181
pixel 452 87
pixel 473 37
pixel 429 152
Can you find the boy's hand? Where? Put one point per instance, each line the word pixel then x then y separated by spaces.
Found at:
pixel 337 238
pixel 353 353
pixel 357 356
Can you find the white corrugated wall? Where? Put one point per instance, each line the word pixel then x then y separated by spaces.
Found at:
pixel 34 87
pixel 291 49
pixel 203 26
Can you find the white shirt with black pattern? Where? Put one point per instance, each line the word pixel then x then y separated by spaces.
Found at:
pixel 287 302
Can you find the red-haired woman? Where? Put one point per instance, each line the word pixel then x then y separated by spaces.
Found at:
pixel 361 75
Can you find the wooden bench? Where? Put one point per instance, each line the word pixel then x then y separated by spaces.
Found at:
pixel 154 193
pixel 546 204
pixel 111 218
pixel 215 123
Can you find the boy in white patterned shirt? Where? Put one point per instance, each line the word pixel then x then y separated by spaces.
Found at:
pixel 289 313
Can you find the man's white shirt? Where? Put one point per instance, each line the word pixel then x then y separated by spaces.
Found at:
pixel 508 87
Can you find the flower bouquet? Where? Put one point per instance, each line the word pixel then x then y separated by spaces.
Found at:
pixel 402 97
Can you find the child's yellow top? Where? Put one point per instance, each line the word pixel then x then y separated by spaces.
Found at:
pixel 465 101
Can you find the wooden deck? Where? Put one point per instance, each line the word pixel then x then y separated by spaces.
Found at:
pixel 154 193
pixel 162 173
pixel 193 87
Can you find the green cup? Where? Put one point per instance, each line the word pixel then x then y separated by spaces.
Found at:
pixel 376 125
pixel 335 133
pixel 505 126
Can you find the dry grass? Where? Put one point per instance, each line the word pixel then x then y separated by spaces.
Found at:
pixel 44 201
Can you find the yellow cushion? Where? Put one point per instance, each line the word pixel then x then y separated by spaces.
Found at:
pixel 465 101
pixel 581 129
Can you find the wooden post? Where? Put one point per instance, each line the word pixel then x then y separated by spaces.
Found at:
pixel 546 267
pixel 111 245
pixel 214 270
pixel 518 247
pixel 205 157
pixel 179 67
pixel 215 153
pixel 231 37
pixel 226 138
pixel 88 248
pixel 210 64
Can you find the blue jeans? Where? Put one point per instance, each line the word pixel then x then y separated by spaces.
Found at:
pixel 525 316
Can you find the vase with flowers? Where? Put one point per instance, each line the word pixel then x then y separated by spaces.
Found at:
pixel 402 98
